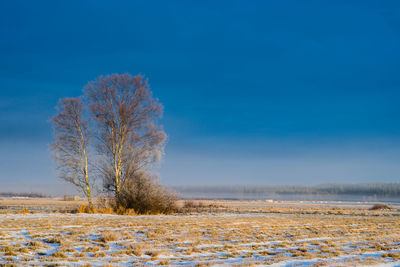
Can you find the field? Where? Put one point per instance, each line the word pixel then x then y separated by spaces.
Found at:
pixel 218 232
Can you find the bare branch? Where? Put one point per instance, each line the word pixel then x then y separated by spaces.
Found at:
pixel 70 147
pixel 128 138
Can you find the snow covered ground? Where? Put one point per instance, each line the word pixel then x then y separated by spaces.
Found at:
pixel 200 239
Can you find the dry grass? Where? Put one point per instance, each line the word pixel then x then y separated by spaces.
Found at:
pixel 104 210
pixel 108 236
pixel 245 235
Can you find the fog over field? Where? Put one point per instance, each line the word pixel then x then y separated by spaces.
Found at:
pixel 329 192
pixel 358 192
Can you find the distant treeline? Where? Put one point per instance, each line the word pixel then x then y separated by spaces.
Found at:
pixel 32 195
pixel 366 189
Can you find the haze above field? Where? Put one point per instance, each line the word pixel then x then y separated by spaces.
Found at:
pixel 254 93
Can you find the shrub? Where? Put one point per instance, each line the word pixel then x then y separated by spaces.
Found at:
pixel 380 207
pixel 144 195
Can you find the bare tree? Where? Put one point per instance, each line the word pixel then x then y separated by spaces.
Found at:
pixel 130 141
pixel 71 145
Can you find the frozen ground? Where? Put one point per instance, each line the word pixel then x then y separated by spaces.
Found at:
pixel 281 237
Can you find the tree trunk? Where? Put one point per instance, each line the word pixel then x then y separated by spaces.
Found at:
pixel 89 197
pixel 118 188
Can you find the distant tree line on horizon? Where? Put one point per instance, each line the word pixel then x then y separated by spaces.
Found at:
pixel 29 195
pixel 367 189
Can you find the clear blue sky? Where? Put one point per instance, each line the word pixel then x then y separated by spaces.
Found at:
pixel 255 92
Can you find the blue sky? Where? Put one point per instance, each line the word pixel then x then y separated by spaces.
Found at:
pixel 255 92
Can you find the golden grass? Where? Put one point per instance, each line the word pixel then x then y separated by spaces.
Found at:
pixel 104 210
pixel 58 254
pixel 108 236
pixel 251 233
